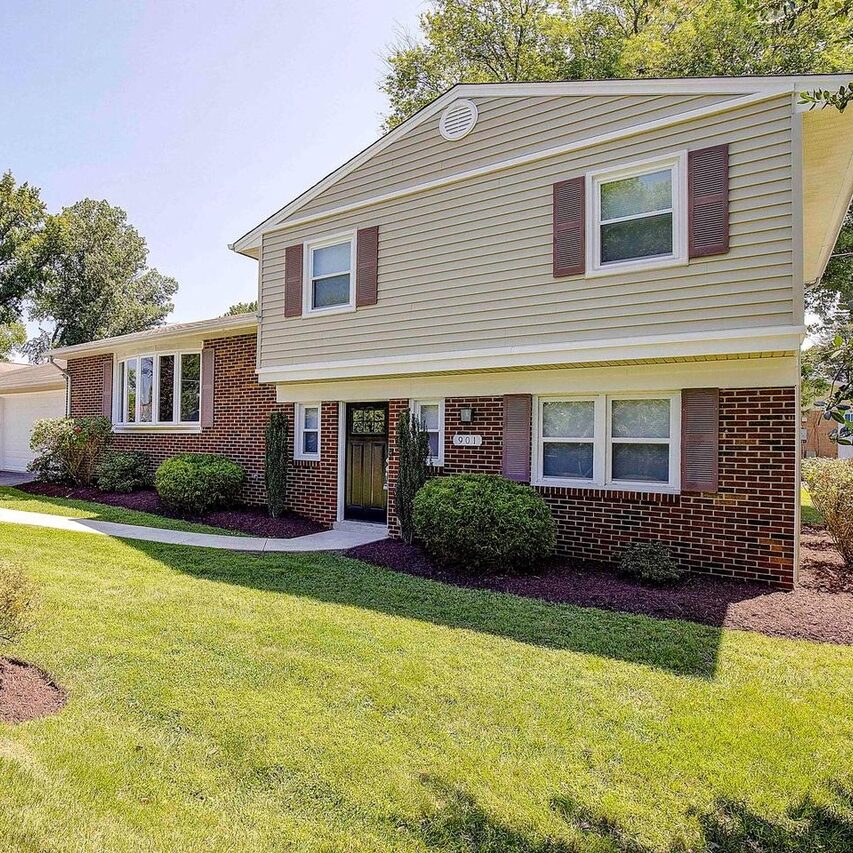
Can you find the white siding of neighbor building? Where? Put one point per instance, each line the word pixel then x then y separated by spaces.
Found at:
pixel 468 265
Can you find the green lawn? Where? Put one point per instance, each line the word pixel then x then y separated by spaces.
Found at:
pixel 11 498
pixel 227 702
pixel 808 514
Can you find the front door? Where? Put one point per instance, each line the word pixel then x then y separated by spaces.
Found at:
pixel 367 452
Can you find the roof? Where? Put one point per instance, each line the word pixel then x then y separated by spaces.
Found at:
pixel 29 378
pixel 228 325
pixel 7 366
pixel 738 87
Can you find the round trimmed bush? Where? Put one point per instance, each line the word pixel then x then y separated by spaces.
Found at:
pixel 650 562
pixel 123 472
pixel 196 482
pixel 483 524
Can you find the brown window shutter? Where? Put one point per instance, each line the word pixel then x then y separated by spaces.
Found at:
pixel 107 394
pixel 569 218
pixel 700 439
pixel 293 281
pixel 207 371
pixel 367 266
pixel 518 410
pixel 708 201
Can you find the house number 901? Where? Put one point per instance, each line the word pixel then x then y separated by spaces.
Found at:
pixel 467 440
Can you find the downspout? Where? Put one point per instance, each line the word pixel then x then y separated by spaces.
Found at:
pixel 67 377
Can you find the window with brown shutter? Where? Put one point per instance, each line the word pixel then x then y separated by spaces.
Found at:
pixel 700 439
pixel 708 201
pixel 367 266
pixel 293 281
pixel 569 237
pixel 517 415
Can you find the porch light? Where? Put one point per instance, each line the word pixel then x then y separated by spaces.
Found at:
pixel 466 415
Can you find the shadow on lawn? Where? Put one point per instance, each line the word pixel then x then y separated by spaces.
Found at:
pixel 684 648
pixel 461 825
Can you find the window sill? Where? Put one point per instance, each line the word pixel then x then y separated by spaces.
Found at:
pixel 635 266
pixel 323 312
pixel 306 458
pixel 585 485
pixel 121 429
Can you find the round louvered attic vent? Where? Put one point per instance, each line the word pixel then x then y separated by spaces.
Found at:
pixel 458 119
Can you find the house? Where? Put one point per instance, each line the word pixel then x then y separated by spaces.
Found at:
pixel 594 287
pixel 27 393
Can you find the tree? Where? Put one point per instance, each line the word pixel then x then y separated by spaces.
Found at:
pixel 99 284
pixel 242 308
pixel 835 289
pixel 275 463
pixel 413 459
pixel 12 338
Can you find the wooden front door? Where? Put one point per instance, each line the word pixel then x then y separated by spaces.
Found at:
pixel 367 452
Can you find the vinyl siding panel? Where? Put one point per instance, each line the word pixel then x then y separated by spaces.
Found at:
pixel 468 265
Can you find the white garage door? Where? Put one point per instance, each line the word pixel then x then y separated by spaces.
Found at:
pixel 17 414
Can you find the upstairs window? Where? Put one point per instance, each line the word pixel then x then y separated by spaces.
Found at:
pixel 330 274
pixel 307 439
pixel 158 389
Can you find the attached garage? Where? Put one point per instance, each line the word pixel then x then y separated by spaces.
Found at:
pixel 26 395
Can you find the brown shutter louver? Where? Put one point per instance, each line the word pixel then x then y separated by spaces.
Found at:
pixel 107 393
pixel 708 201
pixel 518 410
pixel 207 371
pixel 569 236
pixel 293 281
pixel 700 439
pixel 367 266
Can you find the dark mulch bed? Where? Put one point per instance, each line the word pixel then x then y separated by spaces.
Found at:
pixel 820 608
pixel 27 693
pixel 244 519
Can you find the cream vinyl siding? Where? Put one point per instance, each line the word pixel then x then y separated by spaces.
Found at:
pixel 468 265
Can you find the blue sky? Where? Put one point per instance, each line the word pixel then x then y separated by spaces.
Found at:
pixel 199 119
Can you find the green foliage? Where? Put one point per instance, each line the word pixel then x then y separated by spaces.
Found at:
pixel 835 290
pixel 830 485
pixel 125 471
pixel 275 463
pixel 68 449
pixel 12 338
pixel 413 456
pixel 242 308
pixel 99 283
pixel 651 562
pixel 17 602
pixel 824 98
pixel 196 482
pixel 484 524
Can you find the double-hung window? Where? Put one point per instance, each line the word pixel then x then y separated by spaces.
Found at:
pixel 431 415
pixel 307 439
pixel 627 442
pixel 637 216
pixel 158 389
pixel 329 279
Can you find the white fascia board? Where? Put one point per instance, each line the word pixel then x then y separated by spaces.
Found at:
pixel 695 344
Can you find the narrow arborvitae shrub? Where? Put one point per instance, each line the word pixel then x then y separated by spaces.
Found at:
pixel 124 472
pixel 67 450
pixel 276 463
pixel 413 455
pixel 17 602
pixel 651 562
pixel 830 484
pixel 193 483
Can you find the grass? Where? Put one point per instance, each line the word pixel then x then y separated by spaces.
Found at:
pixel 11 498
pixel 227 702
pixel 808 513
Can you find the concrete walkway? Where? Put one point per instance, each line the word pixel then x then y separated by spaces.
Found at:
pixel 14 478
pixel 348 536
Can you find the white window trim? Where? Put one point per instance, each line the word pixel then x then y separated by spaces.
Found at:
pixel 678 164
pixel 299 419
pixel 415 408
pixel 155 425
pixel 603 442
pixel 307 274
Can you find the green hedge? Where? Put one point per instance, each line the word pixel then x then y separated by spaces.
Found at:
pixel 123 472
pixel 196 482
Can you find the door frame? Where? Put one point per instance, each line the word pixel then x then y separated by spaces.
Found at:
pixel 342 449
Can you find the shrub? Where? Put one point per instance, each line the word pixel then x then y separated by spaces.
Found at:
pixel 123 472
pixel 196 482
pixel 68 449
pixel 482 523
pixel 275 464
pixel 651 562
pixel 830 484
pixel 17 603
pixel 413 455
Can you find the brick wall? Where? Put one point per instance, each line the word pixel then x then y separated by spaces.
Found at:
pixel 241 410
pixel 745 530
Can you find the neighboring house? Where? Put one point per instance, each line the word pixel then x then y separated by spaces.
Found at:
pixel 27 393
pixel 594 287
pixel 816 435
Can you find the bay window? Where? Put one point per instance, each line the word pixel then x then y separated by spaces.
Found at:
pixel 153 390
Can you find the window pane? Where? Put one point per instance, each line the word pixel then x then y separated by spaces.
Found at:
pixel 190 386
pixel 567 459
pixel 637 238
pixel 311 418
pixel 644 463
pixel 429 417
pixel 569 419
pixel 331 291
pixel 167 388
pixel 433 445
pixel 130 414
pixel 640 194
pixel 309 442
pixel 640 419
pixel 146 389
pixel 331 259
pixel 119 395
